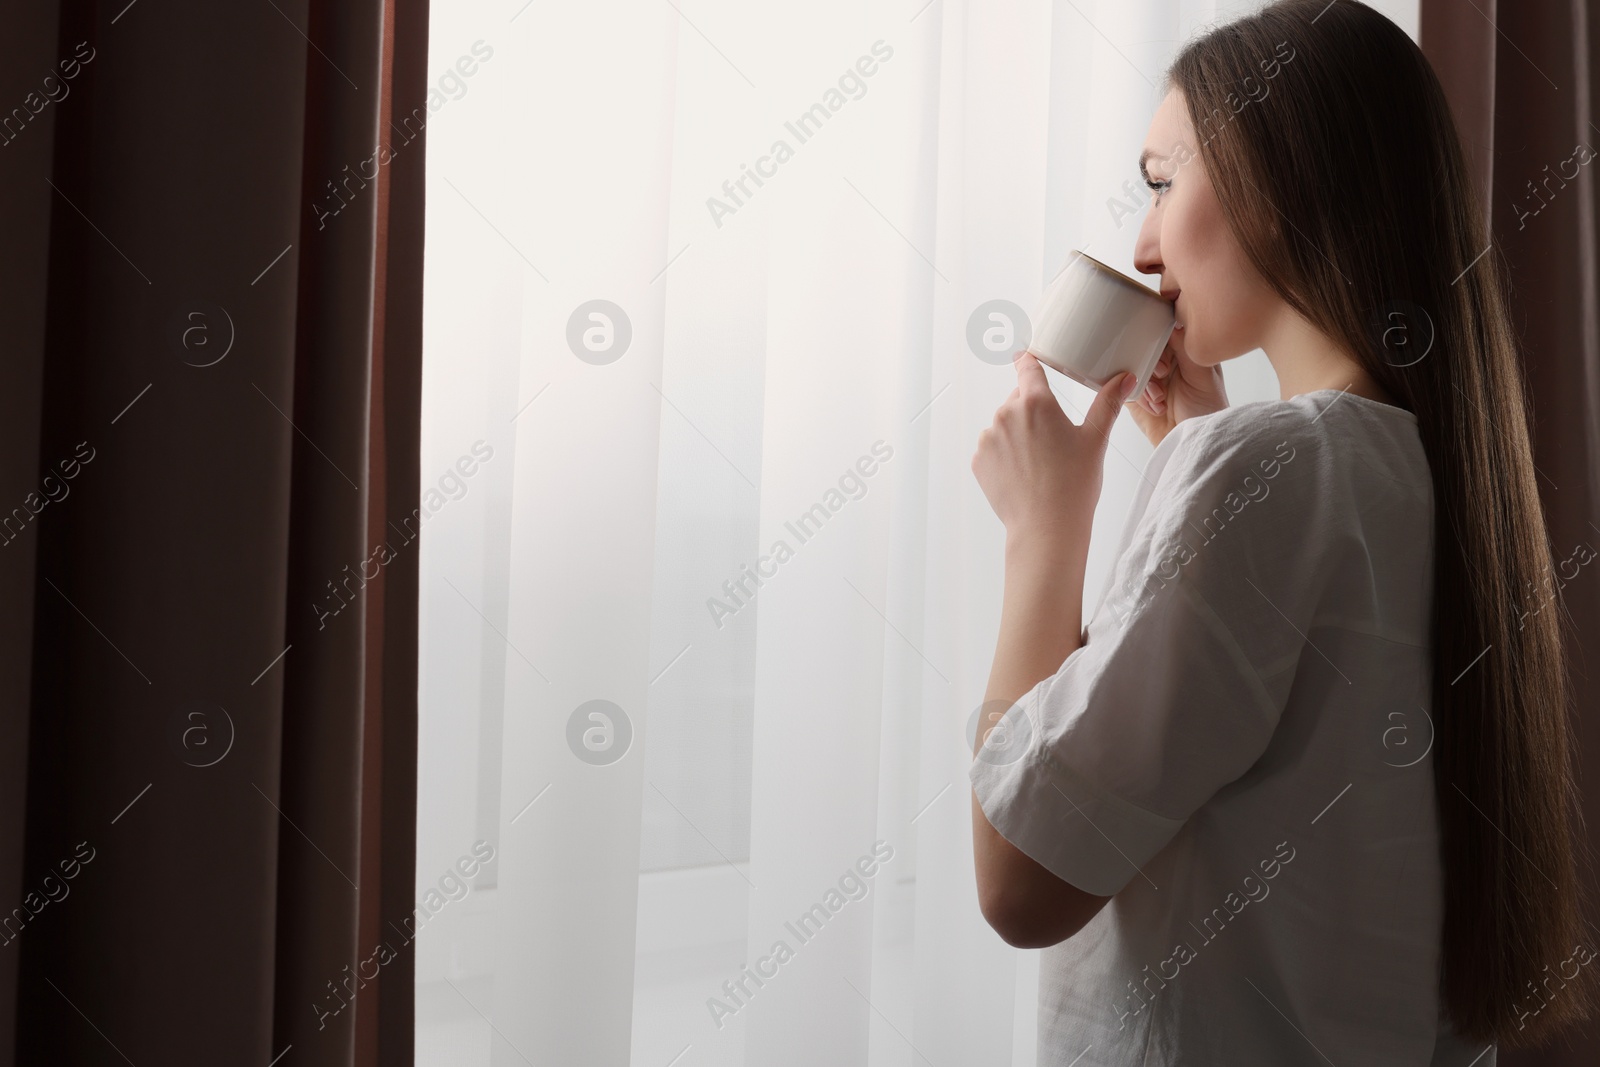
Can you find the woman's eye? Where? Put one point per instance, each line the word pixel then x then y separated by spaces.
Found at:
pixel 1158 187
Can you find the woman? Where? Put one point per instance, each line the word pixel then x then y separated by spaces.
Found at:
pixel 1300 793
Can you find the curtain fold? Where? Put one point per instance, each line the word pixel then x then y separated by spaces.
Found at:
pixel 214 692
pixel 28 47
pixel 1522 80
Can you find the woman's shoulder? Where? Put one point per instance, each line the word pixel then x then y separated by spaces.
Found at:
pixel 1353 443
pixel 1212 453
pixel 1301 503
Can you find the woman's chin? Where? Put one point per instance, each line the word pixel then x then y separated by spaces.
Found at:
pixel 1192 346
pixel 1182 343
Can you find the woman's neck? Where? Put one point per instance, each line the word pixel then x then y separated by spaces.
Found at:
pixel 1305 359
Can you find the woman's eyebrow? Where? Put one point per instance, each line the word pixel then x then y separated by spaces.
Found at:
pixel 1144 157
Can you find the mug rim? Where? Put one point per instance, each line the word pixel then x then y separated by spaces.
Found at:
pixel 1115 273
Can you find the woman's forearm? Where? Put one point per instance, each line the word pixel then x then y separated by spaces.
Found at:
pixel 1041 618
pixel 1039 628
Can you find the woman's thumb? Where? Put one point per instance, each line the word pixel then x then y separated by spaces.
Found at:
pixel 1103 412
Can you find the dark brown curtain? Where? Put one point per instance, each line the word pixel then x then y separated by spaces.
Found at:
pixel 209 403
pixel 1522 80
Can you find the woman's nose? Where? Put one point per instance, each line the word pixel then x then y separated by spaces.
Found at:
pixel 1147 249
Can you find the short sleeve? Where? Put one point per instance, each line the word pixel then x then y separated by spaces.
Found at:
pixel 1186 666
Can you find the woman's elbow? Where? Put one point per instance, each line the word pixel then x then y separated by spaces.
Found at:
pixel 1021 924
pixel 1035 919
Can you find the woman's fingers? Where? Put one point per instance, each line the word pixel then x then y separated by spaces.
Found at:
pixel 1158 396
pixel 1142 416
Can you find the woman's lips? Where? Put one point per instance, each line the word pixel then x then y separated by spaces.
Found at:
pixel 1173 296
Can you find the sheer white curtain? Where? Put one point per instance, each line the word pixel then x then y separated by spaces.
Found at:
pixel 673 761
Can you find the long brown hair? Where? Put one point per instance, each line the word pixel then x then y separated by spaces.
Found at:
pixel 1331 147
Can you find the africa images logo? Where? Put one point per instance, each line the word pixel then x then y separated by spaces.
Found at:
pixel 804 127
pixel 452 485
pixel 854 884
pixel 852 485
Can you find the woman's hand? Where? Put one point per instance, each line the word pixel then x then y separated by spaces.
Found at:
pixel 1178 389
pixel 1040 472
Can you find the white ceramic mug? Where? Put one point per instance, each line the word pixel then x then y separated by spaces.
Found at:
pixel 1095 322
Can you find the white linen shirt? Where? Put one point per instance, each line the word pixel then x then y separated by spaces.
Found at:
pixel 1240 756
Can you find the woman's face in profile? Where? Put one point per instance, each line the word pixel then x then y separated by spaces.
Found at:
pixel 1223 304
